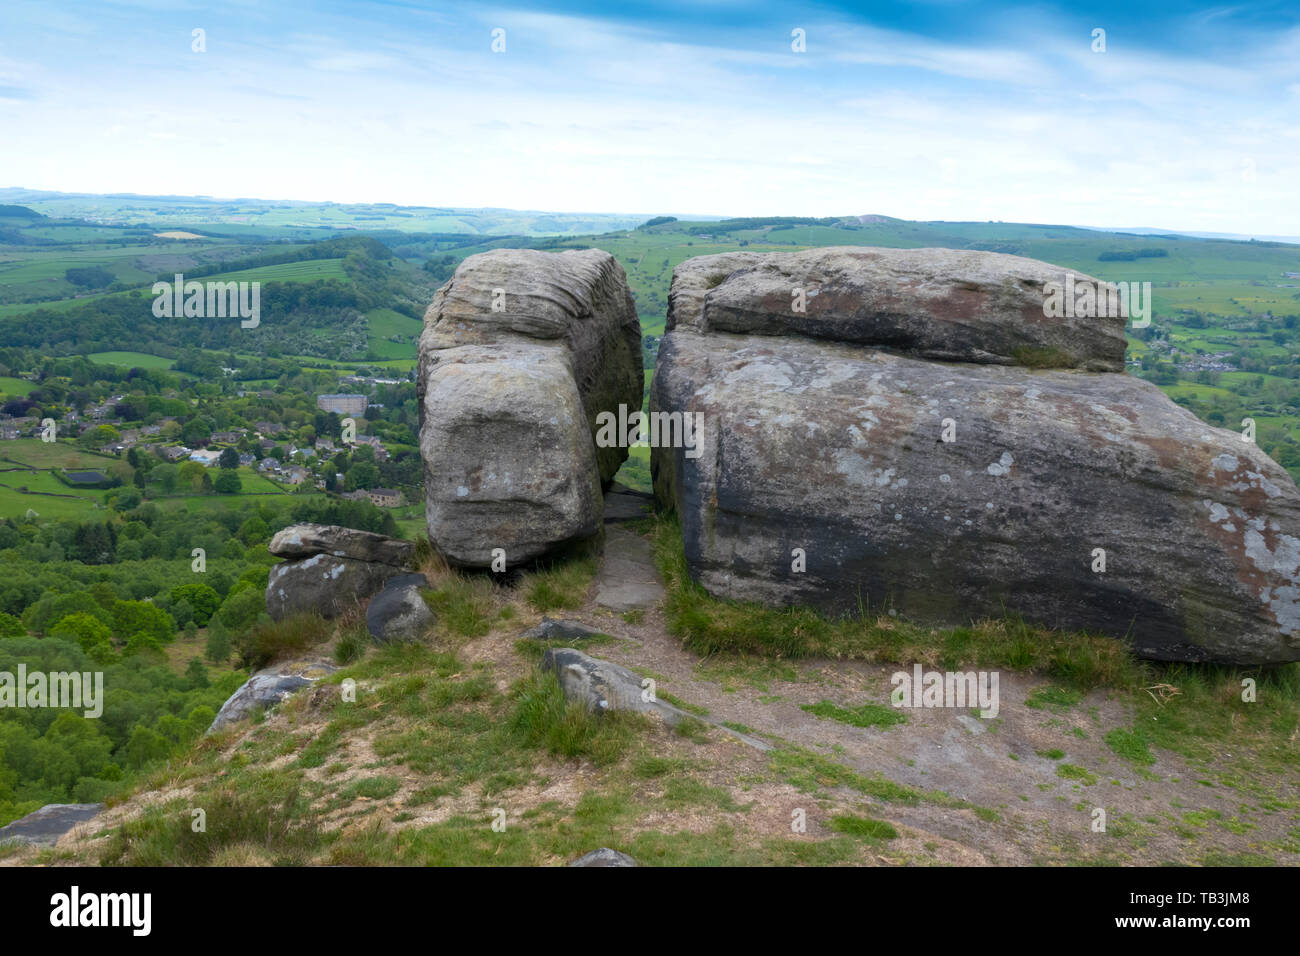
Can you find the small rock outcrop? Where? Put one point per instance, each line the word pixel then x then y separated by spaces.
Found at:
pixel 399 612
pixel 269 687
pixel 604 857
pixel 551 629
pixel 330 569
pixel 603 687
pixel 841 466
pixel 521 352
pixel 43 827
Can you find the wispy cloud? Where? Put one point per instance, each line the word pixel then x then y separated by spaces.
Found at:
pixel 932 112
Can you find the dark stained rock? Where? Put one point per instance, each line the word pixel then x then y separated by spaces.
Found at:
pixel 323 584
pixel 399 612
pixel 838 450
pixel 553 630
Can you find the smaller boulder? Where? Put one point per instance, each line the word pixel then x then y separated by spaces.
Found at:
pixel 399 612
pixel 306 540
pixel 269 687
pixel 604 857
pixel 603 686
pixel 323 584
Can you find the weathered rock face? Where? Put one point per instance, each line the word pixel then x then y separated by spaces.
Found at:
pixel 322 584
pixel 948 304
pixel 330 568
pixel 840 450
pixel 509 400
pixel 305 540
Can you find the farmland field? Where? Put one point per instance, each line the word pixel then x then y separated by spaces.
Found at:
pixel 131 359
pixel 15 386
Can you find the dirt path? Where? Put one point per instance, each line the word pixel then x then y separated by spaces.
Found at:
pixel 1021 788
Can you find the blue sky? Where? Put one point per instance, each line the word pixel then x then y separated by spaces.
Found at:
pixel 1189 120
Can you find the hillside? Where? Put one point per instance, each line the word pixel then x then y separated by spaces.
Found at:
pixel 456 752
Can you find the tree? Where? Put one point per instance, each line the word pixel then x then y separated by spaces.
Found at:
pixel 203 599
pixel 218 645
pixel 229 458
pixel 362 474
pixel 89 277
pixel 195 430
pixel 241 608
pixel 190 473
pixel 99 435
pixel 166 474
pixel 87 630
pixel 196 673
pixel 131 618
pixel 228 482
pixel 253 530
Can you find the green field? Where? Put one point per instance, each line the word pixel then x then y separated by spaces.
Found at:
pixel 384 325
pixel 310 270
pixel 15 386
pixel 131 359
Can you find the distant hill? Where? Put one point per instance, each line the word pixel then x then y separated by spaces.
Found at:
pixel 19 212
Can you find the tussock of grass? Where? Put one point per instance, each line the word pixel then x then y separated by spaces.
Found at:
pixel 1130 744
pixel 561 585
pixel 463 604
pixel 864 828
pixel 545 717
pixel 351 645
pixel 1069 771
pixel 274 817
pixel 272 640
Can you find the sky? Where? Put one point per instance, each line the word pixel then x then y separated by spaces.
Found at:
pixel 1189 119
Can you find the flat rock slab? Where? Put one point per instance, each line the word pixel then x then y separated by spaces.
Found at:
pixel 623 506
pixel 628 578
pixel 43 827
pixel 552 630
pixel 603 686
pixel 826 480
pixel 305 540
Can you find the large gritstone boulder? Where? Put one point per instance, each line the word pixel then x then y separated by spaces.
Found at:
pixel 842 476
pixel 521 351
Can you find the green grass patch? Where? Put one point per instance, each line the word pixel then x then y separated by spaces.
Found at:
pixel 1069 771
pixel 1130 744
pixel 864 828
pixel 864 715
